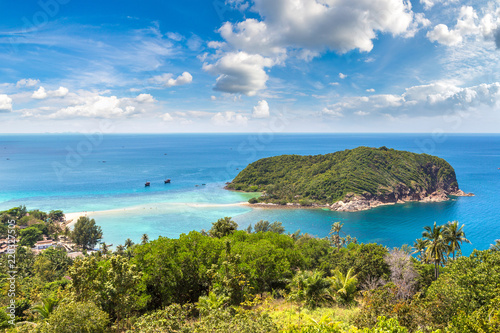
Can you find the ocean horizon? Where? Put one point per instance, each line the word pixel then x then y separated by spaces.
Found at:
pixel 104 175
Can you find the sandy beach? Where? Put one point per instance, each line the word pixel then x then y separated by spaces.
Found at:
pixel 72 218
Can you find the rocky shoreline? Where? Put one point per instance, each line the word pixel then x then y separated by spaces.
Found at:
pixel 355 203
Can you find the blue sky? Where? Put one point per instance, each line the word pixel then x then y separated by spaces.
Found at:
pixel 250 66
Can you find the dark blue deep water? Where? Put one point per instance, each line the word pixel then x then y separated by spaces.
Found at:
pixel 95 173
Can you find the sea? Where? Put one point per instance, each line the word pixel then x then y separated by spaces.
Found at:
pixel 104 175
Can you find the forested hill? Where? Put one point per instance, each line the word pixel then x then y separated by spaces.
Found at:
pixel 371 174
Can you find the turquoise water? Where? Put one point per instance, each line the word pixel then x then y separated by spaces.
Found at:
pixel 93 173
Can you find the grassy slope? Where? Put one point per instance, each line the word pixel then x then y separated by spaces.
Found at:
pixel 328 178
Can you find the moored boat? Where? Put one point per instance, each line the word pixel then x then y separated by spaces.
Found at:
pixel 147 184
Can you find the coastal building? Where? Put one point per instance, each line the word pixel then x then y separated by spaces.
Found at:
pixel 43 244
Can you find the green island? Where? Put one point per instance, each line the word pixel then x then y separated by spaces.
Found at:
pixel 261 279
pixel 349 180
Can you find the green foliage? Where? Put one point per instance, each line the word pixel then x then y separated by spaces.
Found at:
pixel 345 287
pixel 86 233
pixel 29 236
pixel 468 284
pixel 81 317
pixel 223 227
pixel 367 261
pixel 437 246
pixel 235 319
pixel 454 236
pixel 113 284
pixel 311 288
pixel 264 226
pixel 329 178
pixel 46 308
pixel 176 270
pixel 173 318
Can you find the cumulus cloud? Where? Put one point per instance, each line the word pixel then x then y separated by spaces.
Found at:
pixel 370 90
pixel 340 25
pixel 167 79
pixel 40 93
pixel 5 103
pixel 342 76
pixel 261 110
pixel 304 29
pixel 61 92
pixel 27 83
pixel 167 117
pixel 468 25
pixel 432 100
pixel 145 98
pixel 229 118
pixel 88 104
pixel 240 72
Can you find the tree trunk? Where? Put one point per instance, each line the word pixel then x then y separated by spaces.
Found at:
pixel 436 270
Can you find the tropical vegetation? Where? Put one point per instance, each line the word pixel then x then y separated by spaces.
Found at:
pixel 263 280
pixel 382 173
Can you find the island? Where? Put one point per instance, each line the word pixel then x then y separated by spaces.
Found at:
pixel 350 180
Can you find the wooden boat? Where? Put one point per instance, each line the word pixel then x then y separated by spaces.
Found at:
pixel 147 184
pixel 167 181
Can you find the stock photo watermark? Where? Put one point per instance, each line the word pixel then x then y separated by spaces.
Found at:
pixel 11 271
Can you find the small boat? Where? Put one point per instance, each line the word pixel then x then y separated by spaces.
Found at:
pixel 147 184
pixel 167 181
pixel 203 184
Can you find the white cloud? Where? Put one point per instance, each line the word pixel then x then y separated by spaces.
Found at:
pixel 229 118
pixel 340 25
pixel 442 35
pixel 261 110
pixel 240 73
pixel 370 90
pixel 332 111
pixel 61 92
pixel 98 107
pixel 5 103
pixel 342 76
pixel 428 4
pixel 27 83
pixel 304 29
pixel 167 79
pixel 361 113
pixel 432 100
pixel 40 93
pixel 89 104
pixel 213 98
pixel 145 98
pixel 468 25
pixel 334 83
pixel 175 36
pixel 167 117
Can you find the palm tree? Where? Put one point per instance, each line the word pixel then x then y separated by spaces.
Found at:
pixel 335 238
pixel 46 308
pixel 104 248
pixel 454 235
pixel 120 249
pixel 436 246
pixel 129 243
pixel 345 287
pixel 144 239
pixel 310 287
pixel 419 245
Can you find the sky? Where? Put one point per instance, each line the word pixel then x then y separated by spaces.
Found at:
pixel 329 66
